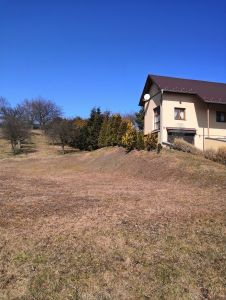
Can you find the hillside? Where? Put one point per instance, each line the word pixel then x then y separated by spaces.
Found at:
pixel 111 225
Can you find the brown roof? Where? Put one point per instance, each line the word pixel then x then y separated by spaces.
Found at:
pixel 211 92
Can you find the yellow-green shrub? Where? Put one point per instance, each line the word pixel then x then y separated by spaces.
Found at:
pixel 129 139
pixel 151 141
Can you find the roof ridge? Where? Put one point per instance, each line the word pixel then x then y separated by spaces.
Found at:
pixel 171 77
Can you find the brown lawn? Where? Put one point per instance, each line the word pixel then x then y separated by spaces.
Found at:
pixel 110 225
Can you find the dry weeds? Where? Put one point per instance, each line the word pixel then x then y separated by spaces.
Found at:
pixel 110 225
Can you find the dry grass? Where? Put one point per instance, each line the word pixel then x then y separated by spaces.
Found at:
pixel 110 225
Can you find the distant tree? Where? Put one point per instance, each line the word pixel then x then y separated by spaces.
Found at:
pixel 102 139
pixel 82 142
pixel 131 117
pixel 41 111
pixel 90 132
pixel 60 130
pixel 28 113
pixel 4 105
pixel 112 130
pixel 140 119
pixel 121 131
pixel 14 127
pixel 78 136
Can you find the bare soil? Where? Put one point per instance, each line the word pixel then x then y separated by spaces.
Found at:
pixel 111 225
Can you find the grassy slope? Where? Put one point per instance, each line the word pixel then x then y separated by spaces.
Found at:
pixel 110 225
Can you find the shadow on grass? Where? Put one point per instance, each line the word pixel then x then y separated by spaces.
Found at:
pixel 68 151
pixel 25 149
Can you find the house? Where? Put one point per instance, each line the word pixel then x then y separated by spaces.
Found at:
pixel 190 109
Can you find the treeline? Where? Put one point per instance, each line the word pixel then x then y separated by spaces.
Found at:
pixel 101 129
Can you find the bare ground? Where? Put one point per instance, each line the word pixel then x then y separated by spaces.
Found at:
pixel 110 225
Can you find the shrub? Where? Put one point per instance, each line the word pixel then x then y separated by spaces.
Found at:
pixel 182 145
pixel 140 141
pixel 221 155
pixel 159 148
pixel 129 139
pixel 151 141
pixel 218 156
pixel 210 154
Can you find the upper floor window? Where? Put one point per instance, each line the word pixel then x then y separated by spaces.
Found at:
pixel 179 113
pixel 220 116
pixel 157 118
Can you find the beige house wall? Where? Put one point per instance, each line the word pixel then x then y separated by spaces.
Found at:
pixel 214 144
pixel 149 107
pixel 196 116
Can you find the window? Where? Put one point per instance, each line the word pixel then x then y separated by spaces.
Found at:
pixel 157 118
pixel 186 135
pixel 179 113
pixel 221 116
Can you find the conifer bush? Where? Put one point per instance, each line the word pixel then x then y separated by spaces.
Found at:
pixel 102 139
pixel 129 139
pixel 151 141
pixel 140 141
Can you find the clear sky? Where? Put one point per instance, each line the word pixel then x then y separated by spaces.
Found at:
pixel 98 53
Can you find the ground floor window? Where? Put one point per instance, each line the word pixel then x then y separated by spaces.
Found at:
pixel 188 136
pixel 221 116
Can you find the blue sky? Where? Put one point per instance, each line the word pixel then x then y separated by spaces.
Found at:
pixel 90 53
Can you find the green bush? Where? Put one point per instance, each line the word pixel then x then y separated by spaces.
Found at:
pixel 140 141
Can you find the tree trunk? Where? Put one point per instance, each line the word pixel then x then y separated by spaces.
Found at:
pixel 13 147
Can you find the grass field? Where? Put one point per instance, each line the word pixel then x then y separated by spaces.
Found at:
pixel 110 225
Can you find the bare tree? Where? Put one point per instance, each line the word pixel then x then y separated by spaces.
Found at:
pixel 44 111
pixel 27 110
pixel 60 131
pixel 14 127
pixel 130 117
pixel 3 106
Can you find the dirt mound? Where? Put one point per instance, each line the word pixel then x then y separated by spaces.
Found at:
pixel 141 164
pixel 168 166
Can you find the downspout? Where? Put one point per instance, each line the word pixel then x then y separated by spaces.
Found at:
pixel 203 138
pixel 161 117
pixel 208 120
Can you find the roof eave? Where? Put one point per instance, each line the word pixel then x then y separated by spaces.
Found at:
pixel 147 86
